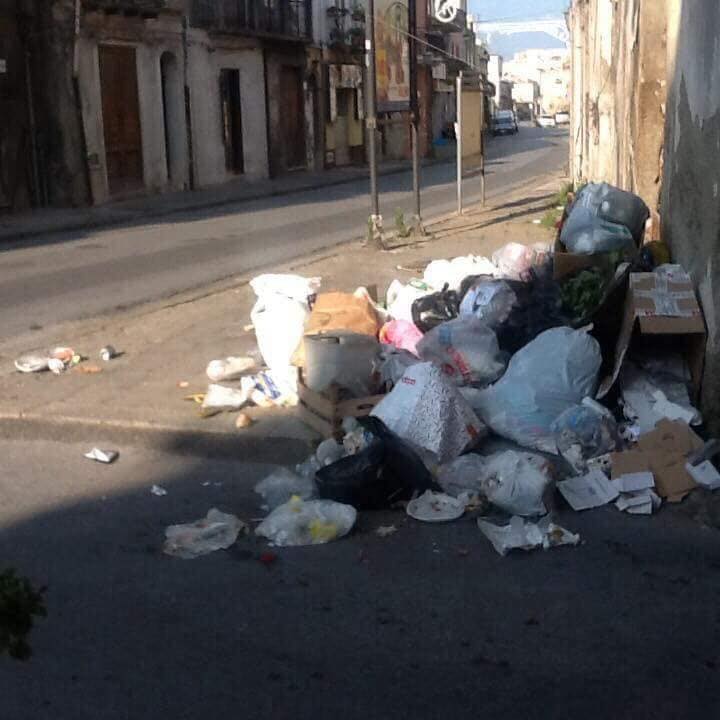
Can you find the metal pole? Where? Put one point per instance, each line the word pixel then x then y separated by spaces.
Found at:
pixel 375 220
pixel 414 112
pixel 482 142
pixel 458 141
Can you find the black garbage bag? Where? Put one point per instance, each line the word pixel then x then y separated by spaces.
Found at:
pixel 384 472
pixel 431 310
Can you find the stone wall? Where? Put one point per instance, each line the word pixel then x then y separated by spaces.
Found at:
pixel 691 173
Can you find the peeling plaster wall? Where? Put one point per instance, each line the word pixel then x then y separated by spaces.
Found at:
pixel 691 178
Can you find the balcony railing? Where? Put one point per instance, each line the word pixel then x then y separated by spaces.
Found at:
pixel 291 19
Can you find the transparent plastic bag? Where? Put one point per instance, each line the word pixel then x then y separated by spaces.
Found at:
pixel 583 432
pixel 282 484
pixel 516 482
pixel 550 374
pixel 466 349
pixel 490 301
pixel 514 260
pixel 312 522
pixel 519 534
pixel 463 475
pixel 216 531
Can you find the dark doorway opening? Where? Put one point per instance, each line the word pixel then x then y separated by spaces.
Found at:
pixel 231 118
pixel 121 118
pixel 292 118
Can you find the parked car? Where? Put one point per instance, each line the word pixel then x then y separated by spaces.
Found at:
pixel 562 118
pixel 546 121
pixel 504 123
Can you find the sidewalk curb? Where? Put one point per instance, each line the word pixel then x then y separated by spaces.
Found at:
pixel 175 441
pixel 113 222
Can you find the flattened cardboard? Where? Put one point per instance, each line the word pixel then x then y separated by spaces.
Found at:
pixel 643 313
pixel 663 451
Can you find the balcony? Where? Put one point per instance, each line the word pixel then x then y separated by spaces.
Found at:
pixel 132 8
pixel 282 19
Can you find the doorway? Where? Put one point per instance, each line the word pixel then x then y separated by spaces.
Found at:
pixel 121 118
pixel 231 119
pixel 173 117
pixel 292 117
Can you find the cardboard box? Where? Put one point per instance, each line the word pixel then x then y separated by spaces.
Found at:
pixel 661 306
pixel 663 452
pixel 566 263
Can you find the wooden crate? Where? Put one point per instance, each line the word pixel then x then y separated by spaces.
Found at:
pixel 325 412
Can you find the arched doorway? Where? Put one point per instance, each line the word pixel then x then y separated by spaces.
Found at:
pixel 173 115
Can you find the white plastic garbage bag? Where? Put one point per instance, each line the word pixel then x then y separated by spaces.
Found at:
pixel 294 287
pixel 426 410
pixel 546 377
pixel 312 522
pixel 278 487
pixel 216 531
pixel 399 298
pixel 516 481
pixel 439 273
pixel 279 316
pixel 463 475
pixel 466 349
pixel 519 534
pixel 491 301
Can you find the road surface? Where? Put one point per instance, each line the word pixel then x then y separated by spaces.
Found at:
pixel 82 274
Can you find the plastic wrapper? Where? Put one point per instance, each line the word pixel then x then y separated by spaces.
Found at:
pixel 488 300
pixel 440 273
pixel 216 531
pixel 434 309
pixel 391 365
pixel 466 349
pixel 312 522
pixel 230 368
pixel 514 260
pixel 463 475
pixel 516 482
pixel 582 433
pixel 519 534
pixel 219 398
pixel 32 363
pixel 426 410
pixel 552 373
pixel 402 334
pixel 282 484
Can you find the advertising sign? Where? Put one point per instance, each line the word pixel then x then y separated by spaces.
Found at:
pixel 392 55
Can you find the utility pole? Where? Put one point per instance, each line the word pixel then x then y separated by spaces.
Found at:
pixel 482 141
pixel 375 232
pixel 458 141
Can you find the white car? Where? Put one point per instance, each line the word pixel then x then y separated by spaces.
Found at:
pixel 562 118
pixel 546 121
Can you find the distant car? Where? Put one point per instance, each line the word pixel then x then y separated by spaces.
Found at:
pixel 504 123
pixel 546 121
pixel 562 118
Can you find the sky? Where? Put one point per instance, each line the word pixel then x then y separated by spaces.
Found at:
pixel 512 10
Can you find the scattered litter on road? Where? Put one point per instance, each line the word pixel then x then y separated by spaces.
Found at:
pixel 87 369
pixel 220 398
pixel 520 534
pixel 102 456
pixel 32 363
pixel 587 491
pixel 108 353
pixel 243 421
pixel 183 384
pixel 436 507
pixel 385 530
pixel 216 531
pixel 311 522
pixel 158 490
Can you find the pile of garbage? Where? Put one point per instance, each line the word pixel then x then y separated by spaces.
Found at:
pixel 582 363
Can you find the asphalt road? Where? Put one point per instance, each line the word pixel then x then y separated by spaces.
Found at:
pixel 427 623
pixel 72 276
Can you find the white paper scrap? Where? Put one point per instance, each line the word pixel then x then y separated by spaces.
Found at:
pixel 588 491
pixel 632 482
